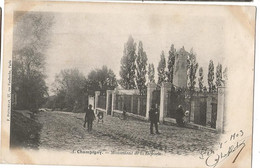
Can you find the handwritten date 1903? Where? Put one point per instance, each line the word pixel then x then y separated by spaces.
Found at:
pixel 214 159
pixel 225 149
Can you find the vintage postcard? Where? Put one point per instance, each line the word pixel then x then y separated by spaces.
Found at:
pixel 205 0
pixel 127 84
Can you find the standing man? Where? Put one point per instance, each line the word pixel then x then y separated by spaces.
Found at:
pixel 179 116
pixel 154 119
pixel 89 117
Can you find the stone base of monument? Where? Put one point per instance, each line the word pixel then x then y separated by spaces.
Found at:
pixel 200 127
pixel 172 122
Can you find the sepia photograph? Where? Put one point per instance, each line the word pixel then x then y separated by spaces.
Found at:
pixel 125 84
pixel 205 0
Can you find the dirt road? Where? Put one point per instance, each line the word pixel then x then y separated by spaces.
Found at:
pixel 65 131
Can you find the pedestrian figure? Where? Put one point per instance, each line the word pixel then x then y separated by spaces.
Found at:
pixel 186 117
pixel 154 119
pixel 124 112
pixel 89 117
pixel 100 116
pixel 179 116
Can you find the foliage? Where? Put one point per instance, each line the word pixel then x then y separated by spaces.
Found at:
pixel 161 69
pixel 225 74
pixel 192 67
pixel 100 79
pixel 31 39
pixel 171 62
pixel 68 88
pixel 219 75
pixel 141 64
pixel 200 79
pixel 151 73
pixel 211 76
pixel 128 67
pixel 205 89
pixel 71 88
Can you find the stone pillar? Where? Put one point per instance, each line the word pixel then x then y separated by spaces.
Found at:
pixel 113 102
pixel 150 88
pixel 109 92
pixel 97 93
pixel 138 105
pixel 132 104
pixel 192 115
pixel 209 100
pixel 220 110
pixel 91 101
pixel 166 86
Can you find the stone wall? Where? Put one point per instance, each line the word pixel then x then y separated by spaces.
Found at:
pixel 198 98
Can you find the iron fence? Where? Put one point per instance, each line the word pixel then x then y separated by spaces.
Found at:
pixel 101 102
pixel 135 104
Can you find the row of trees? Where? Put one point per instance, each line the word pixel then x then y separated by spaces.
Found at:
pixel 135 72
pixel 71 87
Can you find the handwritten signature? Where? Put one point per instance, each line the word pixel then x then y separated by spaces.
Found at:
pixel 213 158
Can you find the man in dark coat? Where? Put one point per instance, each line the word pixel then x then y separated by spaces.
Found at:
pixel 154 119
pixel 179 116
pixel 89 117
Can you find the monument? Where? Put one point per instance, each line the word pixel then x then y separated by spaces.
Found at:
pixel 180 68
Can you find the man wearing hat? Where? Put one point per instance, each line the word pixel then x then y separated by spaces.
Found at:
pixel 89 117
pixel 154 119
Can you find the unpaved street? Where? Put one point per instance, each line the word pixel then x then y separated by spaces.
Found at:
pixel 65 131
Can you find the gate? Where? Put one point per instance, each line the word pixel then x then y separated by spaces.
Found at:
pixel 213 112
pixel 203 113
pixel 142 107
pixel 101 102
pixel 109 104
pixel 175 98
pixel 156 96
pixel 200 110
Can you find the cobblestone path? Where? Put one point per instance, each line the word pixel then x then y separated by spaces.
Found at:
pixel 64 131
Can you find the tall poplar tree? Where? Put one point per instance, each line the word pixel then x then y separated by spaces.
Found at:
pixel 192 69
pixel 211 76
pixel 200 79
pixel 128 67
pixel 225 75
pixel 161 69
pixel 219 75
pixel 171 62
pixel 151 73
pixel 141 64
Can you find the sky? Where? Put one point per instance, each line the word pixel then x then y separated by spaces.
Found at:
pixel 92 39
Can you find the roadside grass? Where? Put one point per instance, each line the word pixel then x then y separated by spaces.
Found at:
pixel 25 130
